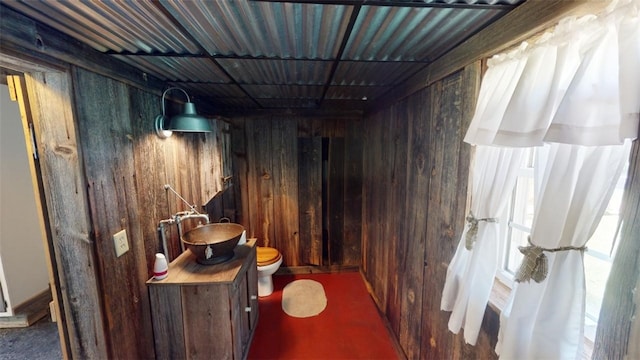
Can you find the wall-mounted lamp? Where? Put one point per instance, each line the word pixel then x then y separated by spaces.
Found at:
pixel 187 121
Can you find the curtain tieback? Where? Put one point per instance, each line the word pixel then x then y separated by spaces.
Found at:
pixel 535 263
pixel 472 233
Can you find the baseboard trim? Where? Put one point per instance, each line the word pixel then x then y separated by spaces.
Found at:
pixel 28 312
pixel 298 270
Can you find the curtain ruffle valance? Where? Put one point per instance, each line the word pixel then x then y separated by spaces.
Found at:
pixel 578 85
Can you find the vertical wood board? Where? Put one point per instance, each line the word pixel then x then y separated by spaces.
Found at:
pixel 109 162
pixel 168 325
pixel 212 317
pixel 310 199
pixel 335 206
pixel 413 249
pixel 352 247
pixel 50 95
pixel 286 221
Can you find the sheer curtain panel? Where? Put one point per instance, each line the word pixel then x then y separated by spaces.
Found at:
pixel 471 271
pixel 544 320
pixel 578 89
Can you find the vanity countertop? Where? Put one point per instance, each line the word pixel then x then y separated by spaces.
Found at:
pixel 185 270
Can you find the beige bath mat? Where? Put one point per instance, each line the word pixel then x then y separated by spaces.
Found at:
pixel 303 298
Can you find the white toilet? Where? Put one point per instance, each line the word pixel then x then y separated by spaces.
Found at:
pixel 269 260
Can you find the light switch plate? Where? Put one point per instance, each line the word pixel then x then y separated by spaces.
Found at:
pixel 120 242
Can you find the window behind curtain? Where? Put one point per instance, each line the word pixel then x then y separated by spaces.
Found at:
pixel 516 226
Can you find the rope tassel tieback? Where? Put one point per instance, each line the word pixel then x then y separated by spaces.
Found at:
pixel 472 233
pixel 535 264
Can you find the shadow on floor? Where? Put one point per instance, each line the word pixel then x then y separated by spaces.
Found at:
pixel 38 342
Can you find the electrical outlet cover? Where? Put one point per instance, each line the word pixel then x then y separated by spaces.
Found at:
pixel 120 242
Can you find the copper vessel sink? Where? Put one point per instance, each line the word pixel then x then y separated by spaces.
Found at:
pixel 213 243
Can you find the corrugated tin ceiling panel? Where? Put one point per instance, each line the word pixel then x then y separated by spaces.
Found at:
pixel 345 104
pixel 389 33
pixel 363 93
pixel 236 103
pixel 259 71
pixel 288 103
pixel 284 91
pixel 212 90
pixel 470 2
pixel 270 54
pixel 173 68
pixel 374 73
pixel 133 26
pixel 267 29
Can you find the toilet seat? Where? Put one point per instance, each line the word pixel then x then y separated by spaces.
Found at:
pixel 267 255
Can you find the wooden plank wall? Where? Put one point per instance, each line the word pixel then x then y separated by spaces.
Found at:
pixel 619 323
pixel 416 171
pixel 126 167
pixel 278 164
pixel 66 202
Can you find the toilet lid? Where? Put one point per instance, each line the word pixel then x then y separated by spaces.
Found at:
pixel 267 255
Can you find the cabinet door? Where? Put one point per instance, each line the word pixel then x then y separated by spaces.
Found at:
pixel 206 312
pixel 252 289
pixel 240 317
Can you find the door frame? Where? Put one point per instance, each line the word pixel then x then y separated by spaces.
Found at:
pixel 17 88
pixel 47 103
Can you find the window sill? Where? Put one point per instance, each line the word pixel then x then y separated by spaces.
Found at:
pixel 498 300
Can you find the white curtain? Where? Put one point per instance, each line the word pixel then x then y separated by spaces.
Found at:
pixel 545 320
pixel 471 271
pixel 579 88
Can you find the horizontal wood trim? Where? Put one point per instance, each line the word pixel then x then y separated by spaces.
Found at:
pixel 29 311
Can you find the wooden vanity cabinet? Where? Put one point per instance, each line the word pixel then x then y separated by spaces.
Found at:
pixel 206 312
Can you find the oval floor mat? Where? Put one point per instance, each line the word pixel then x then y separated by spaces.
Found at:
pixel 303 298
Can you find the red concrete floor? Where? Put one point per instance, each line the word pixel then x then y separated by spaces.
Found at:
pixel 350 326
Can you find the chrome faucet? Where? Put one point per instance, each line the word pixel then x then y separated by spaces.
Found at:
pixel 177 219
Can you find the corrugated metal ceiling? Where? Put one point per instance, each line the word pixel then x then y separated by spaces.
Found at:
pixel 245 54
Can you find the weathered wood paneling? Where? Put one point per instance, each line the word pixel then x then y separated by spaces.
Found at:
pixel 335 201
pixel 61 165
pixel 412 247
pixel 284 172
pixel 452 109
pixel 352 233
pixel 310 199
pixel 126 167
pixel 259 179
pixel 278 169
pixel 619 319
pixel 240 173
pixel 414 202
pixel 108 154
pixel 375 207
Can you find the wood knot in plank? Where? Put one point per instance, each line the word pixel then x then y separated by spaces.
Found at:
pixel 64 150
pixel 449 232
pixel 420 161
pixel 411 296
